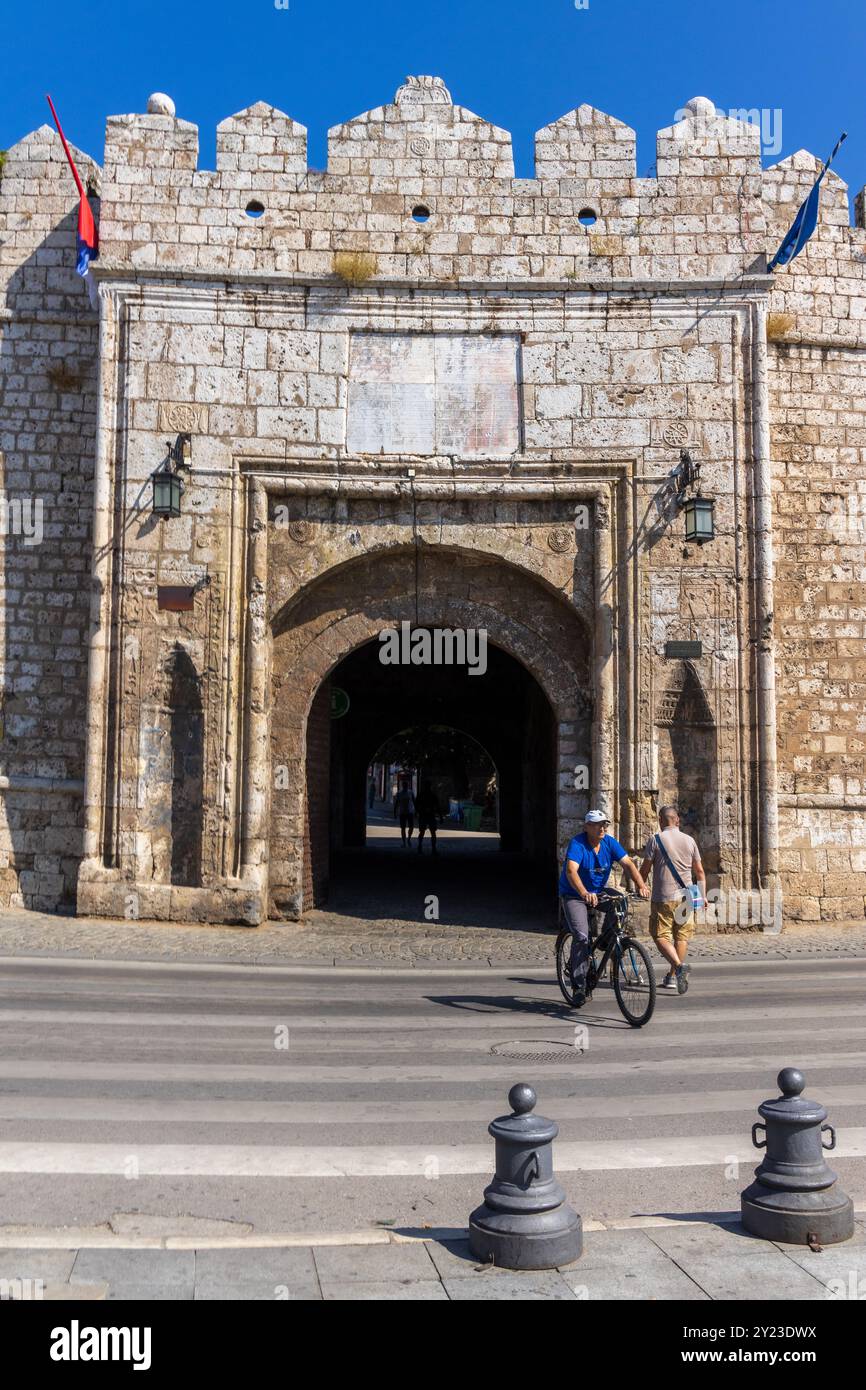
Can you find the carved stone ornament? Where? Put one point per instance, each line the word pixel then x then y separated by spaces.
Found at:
pixel 676 434
pixel 420 145
pixel 300 531
pixel 559 540
pixel 419 91
pixel 602 514
pixel 183 418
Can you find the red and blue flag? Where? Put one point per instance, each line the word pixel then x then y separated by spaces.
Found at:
pixel 88 237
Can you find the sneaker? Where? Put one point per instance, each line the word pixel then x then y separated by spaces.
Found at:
pixel 682 978
pixel 578 998
pixel 669 982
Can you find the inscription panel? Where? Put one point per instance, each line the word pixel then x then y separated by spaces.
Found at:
pixel 448 393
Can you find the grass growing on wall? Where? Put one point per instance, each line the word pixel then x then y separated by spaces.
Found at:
pixel 355 267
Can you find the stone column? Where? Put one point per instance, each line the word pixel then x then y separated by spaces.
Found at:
pixel 603 658
pixel 768 813
pixel 92 865
pixel 256 699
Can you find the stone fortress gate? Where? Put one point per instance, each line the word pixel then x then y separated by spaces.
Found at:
pixel 413 388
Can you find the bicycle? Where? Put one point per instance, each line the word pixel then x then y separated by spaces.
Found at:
pixel 634 981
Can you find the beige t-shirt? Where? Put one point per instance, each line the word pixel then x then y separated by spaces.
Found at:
pixel 683 853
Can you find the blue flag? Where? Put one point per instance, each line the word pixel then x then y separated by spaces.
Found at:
pixel 806 220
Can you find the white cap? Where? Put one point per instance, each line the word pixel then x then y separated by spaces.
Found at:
pixel 595 818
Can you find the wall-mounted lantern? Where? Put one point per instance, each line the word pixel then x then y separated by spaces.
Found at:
pixel 699 510
pixel 167 483
pixel 700 522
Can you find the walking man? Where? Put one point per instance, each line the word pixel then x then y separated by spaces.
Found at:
pixel 585 872
pixel 429 812
pixel 404 807
pixel 674 861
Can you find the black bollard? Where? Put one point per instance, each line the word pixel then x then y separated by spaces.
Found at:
pixel 525 1222
pixel 794 1197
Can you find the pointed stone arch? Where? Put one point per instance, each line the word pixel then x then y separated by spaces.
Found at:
pixel 684 700
pixel 687 758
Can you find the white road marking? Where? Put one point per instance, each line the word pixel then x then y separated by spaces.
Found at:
pixel 282 1072
pixel 453 1019
pixel 364 1161
pixel 153 1110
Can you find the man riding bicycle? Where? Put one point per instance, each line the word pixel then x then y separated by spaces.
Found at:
pixel 585 872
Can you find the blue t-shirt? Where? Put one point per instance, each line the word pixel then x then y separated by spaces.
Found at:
pixel 593 869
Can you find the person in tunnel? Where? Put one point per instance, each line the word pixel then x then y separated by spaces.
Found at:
pixel 404 809
pixel 429 813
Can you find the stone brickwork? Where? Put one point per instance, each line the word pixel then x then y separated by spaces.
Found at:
pixel 48 389
pixel 420 388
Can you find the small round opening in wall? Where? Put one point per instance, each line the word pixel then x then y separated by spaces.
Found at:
pixel 587 216
pixel 421 213
pixel 254 208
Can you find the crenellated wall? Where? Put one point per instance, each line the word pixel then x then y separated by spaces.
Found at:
pixel 710 212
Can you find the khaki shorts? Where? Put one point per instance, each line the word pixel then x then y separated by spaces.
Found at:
pixel 671 921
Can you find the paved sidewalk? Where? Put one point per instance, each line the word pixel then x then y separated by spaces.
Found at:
pixel 326 939
pixel 644 1258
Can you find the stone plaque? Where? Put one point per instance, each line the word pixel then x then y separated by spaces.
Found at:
pixel 684 651
pixel 175 598
pixel 442 393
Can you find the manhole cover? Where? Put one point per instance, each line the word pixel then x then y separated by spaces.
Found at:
pixel 536 1050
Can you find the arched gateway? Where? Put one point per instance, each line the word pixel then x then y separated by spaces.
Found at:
pixel 533 699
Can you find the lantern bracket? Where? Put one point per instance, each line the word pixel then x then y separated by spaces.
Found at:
pixel 180 452
pixel 687 475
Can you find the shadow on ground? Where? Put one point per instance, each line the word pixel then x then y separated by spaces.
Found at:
pixel 470 882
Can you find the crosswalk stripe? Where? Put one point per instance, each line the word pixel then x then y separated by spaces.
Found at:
pixel 733 978
pixel 502 1019
pixel 459 1041
pixel 282 1072
pixel 381 1160
pixel 154 1110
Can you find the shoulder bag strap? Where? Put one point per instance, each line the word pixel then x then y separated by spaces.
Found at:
pixel 661 844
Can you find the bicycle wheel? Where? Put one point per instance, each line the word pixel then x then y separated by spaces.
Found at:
pixel 634 982
pixel 563 972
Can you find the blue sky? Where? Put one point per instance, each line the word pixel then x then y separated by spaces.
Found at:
pixel 519 63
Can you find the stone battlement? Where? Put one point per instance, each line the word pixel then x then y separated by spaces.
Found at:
pixel 423 191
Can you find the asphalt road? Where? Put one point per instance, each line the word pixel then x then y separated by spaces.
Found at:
pixel 307 1100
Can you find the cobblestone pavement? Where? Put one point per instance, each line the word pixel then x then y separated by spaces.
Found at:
pixel 329 938
pixel 376 916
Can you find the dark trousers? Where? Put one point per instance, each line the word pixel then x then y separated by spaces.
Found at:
pixel 426 825
pixel 574 911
